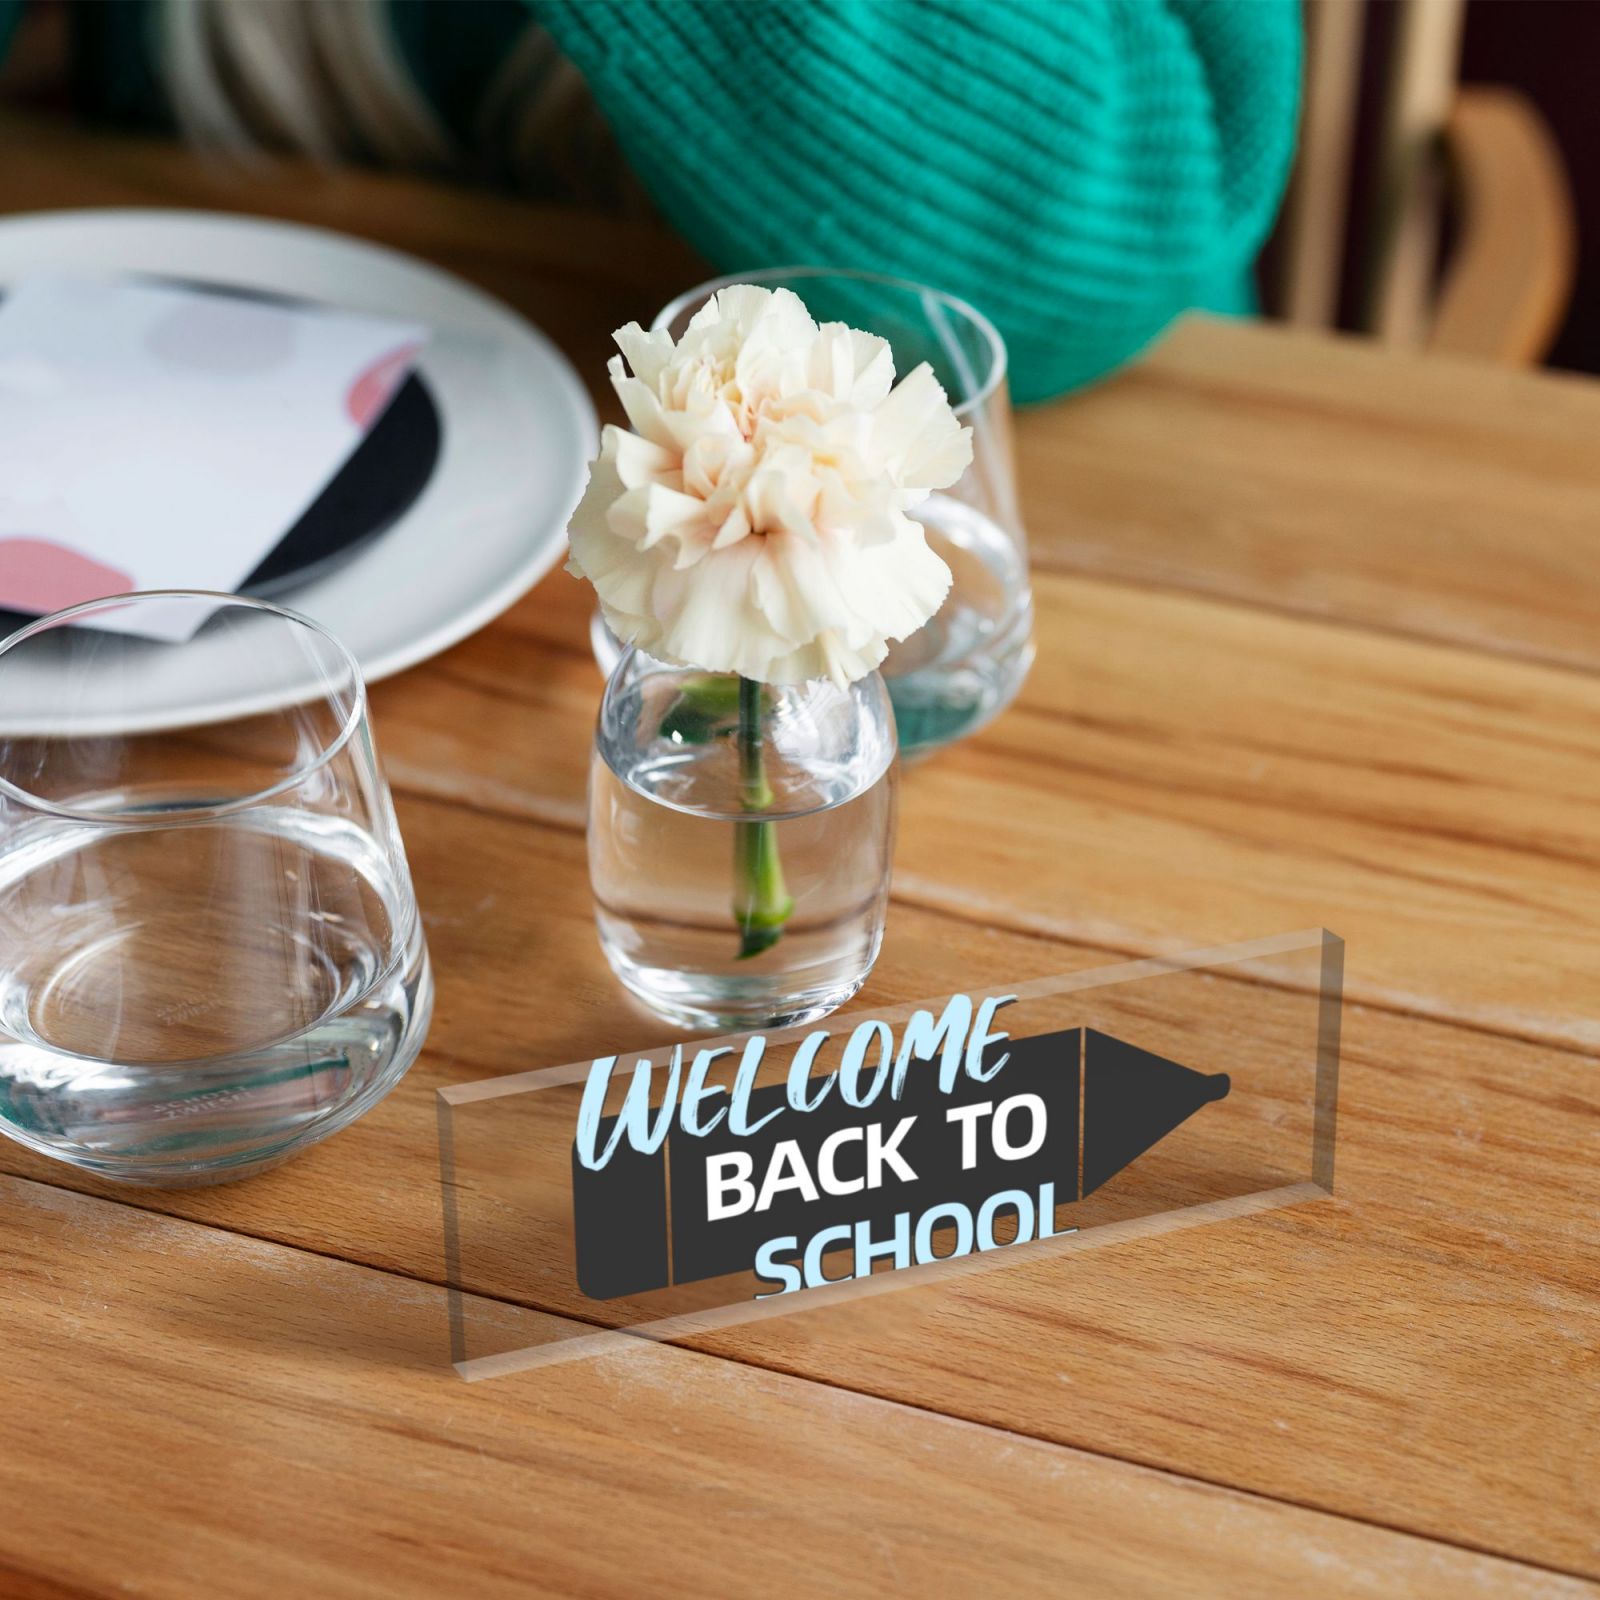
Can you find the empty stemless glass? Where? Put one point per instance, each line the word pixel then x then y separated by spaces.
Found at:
pixel 674 852
pixel 210 953
pixel 966 664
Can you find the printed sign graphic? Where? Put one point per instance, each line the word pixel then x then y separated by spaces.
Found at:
pixel 857 1176
pixel 661 1193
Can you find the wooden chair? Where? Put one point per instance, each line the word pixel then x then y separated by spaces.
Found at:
pixel 1482 156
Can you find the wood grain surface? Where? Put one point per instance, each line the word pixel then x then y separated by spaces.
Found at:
pixel 1316 646
pixel 1311 473
pixel 206 1414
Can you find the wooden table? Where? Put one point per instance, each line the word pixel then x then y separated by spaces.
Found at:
pixel 1319 644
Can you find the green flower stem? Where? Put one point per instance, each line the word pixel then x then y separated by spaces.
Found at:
pixel 702 709
pixel 761 903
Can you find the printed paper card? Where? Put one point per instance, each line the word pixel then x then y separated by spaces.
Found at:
pixel 154 436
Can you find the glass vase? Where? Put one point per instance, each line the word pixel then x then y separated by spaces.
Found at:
pixel 966 664
pixel 740 839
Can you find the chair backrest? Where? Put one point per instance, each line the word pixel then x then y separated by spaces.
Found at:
pixel 1483 154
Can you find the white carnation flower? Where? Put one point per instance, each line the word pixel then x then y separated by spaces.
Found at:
pixel 755 519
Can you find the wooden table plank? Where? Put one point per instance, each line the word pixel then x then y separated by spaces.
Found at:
pixel 1182 772
pixel 1178 773
pixel 206 1414
pixel 1324 475
pixel 1419 1351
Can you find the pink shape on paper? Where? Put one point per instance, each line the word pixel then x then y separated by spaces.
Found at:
pixel 374 389
pixel 38 575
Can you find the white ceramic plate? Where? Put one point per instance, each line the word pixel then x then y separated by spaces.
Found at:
pixel 518 427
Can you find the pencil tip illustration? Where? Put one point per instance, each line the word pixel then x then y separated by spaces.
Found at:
pixel 1132 1099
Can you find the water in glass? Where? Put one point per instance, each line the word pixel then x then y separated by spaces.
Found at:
pixel 197 976
pixel 665 815
pixel 963 666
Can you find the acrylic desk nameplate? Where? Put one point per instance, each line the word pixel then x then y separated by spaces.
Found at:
pixel 735 1180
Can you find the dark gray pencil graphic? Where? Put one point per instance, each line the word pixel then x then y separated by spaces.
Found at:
pixel 1130 1100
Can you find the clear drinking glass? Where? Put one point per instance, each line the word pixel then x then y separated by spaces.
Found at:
pixel 681 868
pixel 967 663
pixel 210 953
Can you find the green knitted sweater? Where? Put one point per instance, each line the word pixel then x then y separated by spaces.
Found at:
pixel 1082 170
